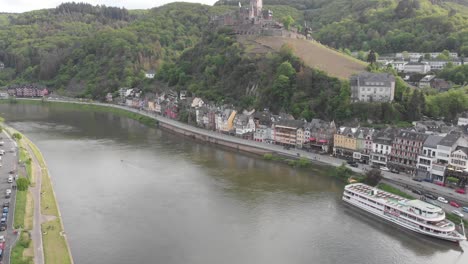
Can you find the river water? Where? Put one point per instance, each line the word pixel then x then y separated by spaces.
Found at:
pixel 132 194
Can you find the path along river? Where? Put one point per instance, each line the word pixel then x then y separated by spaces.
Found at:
pixel 132 194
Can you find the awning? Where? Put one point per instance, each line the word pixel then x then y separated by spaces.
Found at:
pixel 312 139
pixel 323 141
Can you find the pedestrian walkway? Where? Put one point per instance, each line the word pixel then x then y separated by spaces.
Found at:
pixel 36 233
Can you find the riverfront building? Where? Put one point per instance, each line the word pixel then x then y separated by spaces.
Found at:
pixel 406 148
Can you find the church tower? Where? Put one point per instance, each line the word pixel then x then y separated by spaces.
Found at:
pixel 256 8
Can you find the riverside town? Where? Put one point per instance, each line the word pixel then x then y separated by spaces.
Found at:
pixel 234 131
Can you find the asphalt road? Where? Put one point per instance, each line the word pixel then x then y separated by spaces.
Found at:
pixel 9 162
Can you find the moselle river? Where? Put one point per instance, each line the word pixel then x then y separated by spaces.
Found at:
pixel 132 194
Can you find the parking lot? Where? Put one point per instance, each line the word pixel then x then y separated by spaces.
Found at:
pixel 9 161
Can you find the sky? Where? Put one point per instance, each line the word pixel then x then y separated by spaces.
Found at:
pixel 17 6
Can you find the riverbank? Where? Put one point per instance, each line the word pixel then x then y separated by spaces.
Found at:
pixel 249 146
pixel 22 208
pixel 45 224
pixel 85 106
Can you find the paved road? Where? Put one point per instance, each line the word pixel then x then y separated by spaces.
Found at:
pixel 9 162
pixel 36 235
pixel 446 207
pixel 401 179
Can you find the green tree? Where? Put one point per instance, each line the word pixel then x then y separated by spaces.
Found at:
pixel 373 177
pixel 286 69
pixel 287 21
pixel 22 183
pixel 371 57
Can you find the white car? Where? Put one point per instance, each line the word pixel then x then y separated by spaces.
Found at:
pixel 384 169
pixel 457 213
pixel 442 199
pixel 10 179
pixel 2 239
pixel 8 191
pixel 2 143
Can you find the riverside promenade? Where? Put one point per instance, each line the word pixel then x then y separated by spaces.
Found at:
pixel 403 180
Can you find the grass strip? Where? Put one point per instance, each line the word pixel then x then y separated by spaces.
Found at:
pixel 55 245
pixel 20 209
pixel 394 190
pixel 17 256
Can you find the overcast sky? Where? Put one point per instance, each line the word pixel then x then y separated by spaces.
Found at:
pixel 17 6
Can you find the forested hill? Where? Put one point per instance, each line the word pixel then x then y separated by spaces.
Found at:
pixel 384 25
pixel 90 50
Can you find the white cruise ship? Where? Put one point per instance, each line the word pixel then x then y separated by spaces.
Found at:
pixel 414 215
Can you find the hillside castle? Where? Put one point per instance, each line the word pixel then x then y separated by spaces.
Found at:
pixel 254 20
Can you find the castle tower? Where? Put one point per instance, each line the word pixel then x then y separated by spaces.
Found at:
pixel 255 8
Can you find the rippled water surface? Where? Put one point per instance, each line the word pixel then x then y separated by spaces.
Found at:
pixel 132 194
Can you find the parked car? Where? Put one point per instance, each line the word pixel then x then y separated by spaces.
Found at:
pixel 458 213
pixel 417 191
pixel 442 199
pixel 384 169
pixel 394 171
pixel 417 179
pixel 350 162
pixel 6 204
pixel 430 196
pixel 2 152
pixel 3 226
pixel 5 209
pixel 427 180
pixel 465 209
pixel 10 179
pixel 355 165
pixel 439 183
pixel 460 190
pixel 454 204
pixel 2 143
pixel 2 238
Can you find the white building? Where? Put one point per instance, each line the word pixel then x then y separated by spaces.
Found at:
pixel 244 124
pixel 444 149
pixel 428 156
pixel 150 74
pixel 382 147
pixel 462 121
pixel 398 65
pixel 417 67
pixel 459 159
pixel 372 87
pixel 197 102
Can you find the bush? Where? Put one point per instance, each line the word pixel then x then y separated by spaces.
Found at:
pixel 342 172
pixel 22 184
pixel 17 136
pixel 452 179
pixel 303 163
pixel 268 156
